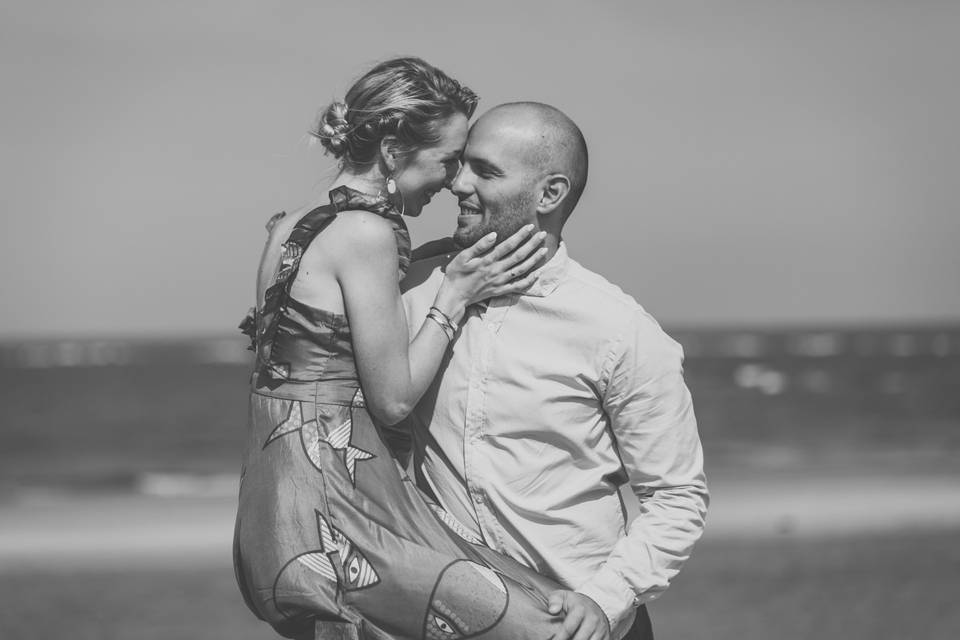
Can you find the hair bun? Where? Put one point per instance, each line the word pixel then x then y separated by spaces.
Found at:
pixel 332 128
pixel 404 97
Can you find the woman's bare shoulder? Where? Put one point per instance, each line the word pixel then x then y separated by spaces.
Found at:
pixel 362 231
pixel 355 239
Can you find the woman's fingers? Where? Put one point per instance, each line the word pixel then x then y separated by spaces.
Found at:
pixel 509 245
pixel 515 286
pixel 524 251
pixel 526 266
pixel 484 270
pixel 480 247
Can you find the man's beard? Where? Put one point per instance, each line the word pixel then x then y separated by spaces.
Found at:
pixel 506 221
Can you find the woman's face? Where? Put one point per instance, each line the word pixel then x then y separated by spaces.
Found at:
pixel 429 170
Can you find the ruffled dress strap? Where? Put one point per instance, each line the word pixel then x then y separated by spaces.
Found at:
pixel 346 199
pixel 261 324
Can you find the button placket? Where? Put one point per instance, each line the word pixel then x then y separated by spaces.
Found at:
pixel 490 320
pixel 473 410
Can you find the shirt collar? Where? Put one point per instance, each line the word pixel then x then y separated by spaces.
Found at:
pixel 550 274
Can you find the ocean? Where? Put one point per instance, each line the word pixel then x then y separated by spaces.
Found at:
pixel 168 416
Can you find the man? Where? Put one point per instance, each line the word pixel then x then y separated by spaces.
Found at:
pixel 551 400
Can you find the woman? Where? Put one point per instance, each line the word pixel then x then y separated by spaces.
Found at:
pixel 328 528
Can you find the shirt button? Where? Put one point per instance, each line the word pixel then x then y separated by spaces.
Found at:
pixel 478 498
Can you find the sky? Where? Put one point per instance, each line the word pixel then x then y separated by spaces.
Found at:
pixel 752 163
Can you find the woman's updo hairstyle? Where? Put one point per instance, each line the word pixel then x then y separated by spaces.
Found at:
pixel 405 97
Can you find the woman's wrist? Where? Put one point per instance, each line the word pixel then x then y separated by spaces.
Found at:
pixel 450 304
pixel 446 324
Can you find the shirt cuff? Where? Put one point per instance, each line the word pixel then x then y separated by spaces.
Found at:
pixel 613 595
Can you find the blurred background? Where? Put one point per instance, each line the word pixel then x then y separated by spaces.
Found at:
pixel 774 181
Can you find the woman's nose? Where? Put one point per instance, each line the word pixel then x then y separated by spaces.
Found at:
pixel 452 174
pixel 458 183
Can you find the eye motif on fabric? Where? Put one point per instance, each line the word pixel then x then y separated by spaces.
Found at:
pixel 305 568
pixel 311 437
pixel 467 600
pixel 358 573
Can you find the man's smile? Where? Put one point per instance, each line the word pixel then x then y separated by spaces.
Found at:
pixel 468 215
pixel 467 210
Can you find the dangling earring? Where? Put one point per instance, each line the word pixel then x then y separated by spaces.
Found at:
pixel 393 191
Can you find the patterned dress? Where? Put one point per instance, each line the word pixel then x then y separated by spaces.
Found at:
pixel 328 527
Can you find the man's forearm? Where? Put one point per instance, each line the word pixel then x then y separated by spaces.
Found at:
pixel 658 542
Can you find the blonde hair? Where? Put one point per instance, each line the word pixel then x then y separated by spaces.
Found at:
pixel 404 97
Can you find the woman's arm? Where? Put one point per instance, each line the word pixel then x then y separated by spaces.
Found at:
pixel 393 371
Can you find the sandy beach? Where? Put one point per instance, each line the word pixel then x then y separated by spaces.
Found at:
pixel 59 531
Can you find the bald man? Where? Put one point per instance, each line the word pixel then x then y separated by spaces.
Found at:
pixel 549 401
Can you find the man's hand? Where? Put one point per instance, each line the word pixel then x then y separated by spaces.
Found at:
pixel 582 617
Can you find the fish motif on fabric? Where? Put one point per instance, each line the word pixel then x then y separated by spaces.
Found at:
pixel 339 439
pixel 293 422
pixel 455 525
pixel 316 569
pixel 311 437
pixel 467 600
pixel 358 573
pixel 318 562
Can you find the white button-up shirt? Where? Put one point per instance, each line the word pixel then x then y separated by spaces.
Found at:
pixel 546 403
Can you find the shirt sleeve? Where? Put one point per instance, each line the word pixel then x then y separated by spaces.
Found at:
pixel 653 423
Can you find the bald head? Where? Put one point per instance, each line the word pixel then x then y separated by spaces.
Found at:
pixel 550 141
pixel 524 163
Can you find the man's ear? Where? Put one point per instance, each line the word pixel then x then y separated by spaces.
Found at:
pixel 556 187
pixel 390 153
